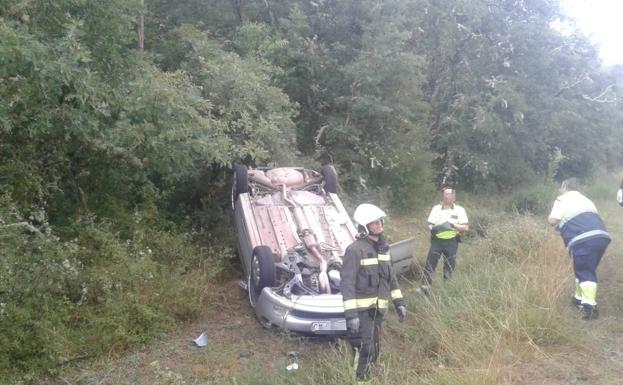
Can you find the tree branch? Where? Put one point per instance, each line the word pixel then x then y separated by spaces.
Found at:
pixel 569 86
pixel 30 228
pixel 599 99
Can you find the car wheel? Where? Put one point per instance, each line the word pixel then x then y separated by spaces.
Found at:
pixel 330 178
pixel 262 272
pixel 240 184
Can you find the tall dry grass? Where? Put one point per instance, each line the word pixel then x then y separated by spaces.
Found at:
pixel 507 299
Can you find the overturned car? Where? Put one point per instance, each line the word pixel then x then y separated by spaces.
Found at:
pixel 292 233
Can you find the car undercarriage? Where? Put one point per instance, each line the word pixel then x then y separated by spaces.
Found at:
pixel 292 233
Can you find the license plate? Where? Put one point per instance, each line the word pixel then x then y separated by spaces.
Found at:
pixel 321 326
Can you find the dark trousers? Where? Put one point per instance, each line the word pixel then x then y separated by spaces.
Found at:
pixel 586 257
pixel 366 343
pixel 440 247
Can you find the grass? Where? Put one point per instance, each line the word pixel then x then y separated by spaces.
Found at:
pixel 503 318
pixel 502 306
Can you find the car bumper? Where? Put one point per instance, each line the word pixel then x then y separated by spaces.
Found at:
pixel 320 314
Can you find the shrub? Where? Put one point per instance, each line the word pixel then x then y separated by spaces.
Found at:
pixel 602 186
pixel 93 294
pixel 533 199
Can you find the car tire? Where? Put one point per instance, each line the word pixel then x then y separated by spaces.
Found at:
pixel 262 273
pixel 330 178
pixel 240 184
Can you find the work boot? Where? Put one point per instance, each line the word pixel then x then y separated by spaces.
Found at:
pixel 589 312
pixel 576 302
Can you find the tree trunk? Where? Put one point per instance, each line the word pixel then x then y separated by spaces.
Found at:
pixel 141 28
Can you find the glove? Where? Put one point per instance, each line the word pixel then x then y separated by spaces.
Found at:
pixel 352 325
pixel 402 313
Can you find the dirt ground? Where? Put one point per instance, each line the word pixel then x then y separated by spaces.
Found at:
pixel 237 344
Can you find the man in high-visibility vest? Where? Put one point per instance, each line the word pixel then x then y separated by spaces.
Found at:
pixel 368 282
pixel 446 222
pixel 585 236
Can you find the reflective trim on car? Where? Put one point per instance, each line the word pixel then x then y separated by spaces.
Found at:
pixel 369 261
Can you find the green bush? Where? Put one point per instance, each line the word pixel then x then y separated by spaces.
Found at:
pixel 602 186
pixel 480 221
pixel 410 183
pixel 534 199
pixel 95 293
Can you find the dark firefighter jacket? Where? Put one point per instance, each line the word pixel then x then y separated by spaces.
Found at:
pixel 368 279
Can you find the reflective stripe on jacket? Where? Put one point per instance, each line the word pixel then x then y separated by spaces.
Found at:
pixel 448 234
pixel 368 279
pixel 579 220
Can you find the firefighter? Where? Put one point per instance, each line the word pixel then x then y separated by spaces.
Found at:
pixel 446 222
pixel 368 281
pixel 585 236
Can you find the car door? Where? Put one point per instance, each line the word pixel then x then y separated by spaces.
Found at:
pixel 401 254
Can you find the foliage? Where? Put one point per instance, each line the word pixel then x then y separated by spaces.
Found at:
pixel 498 96
pixel 93 294
pixel 106 152
pixel 491 89
pixel 535 199
pixel 599 186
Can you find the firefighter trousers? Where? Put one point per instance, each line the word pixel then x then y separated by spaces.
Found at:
pixel 366 343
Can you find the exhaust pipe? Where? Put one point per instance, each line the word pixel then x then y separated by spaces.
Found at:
pixel 310 242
